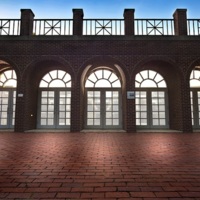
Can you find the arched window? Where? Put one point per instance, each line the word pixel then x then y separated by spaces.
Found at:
pixel 195 97
pixel 103 105
pixel 55 100
pixel 195 79
pixel 8 84
pixel 151 109
pixel 56 79
pixel 8 79
pixel 149 79
pixel 103 78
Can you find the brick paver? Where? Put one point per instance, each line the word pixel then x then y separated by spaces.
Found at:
pixel 66 166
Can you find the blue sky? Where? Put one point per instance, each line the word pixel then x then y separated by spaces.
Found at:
pixel 99 8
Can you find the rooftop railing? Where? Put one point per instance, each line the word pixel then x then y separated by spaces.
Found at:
pixel 154 27
pixel 103 27
pixel 53 27
pixel 27 25
pixel 193 26
pixel 10 26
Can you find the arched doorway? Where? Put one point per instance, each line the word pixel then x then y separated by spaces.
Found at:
pixel 195 97
pixel 151 100
pixel 103 100
pixel 55 100
pixel 8 84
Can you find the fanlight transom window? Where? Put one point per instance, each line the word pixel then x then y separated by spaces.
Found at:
pixel 56 79
pixel 8 79
pixel 103 78
pixel 195 79
pixel 149 79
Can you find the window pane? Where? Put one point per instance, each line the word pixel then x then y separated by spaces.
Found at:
pixel 11 83
pixel 53 74
pixel 144 74
pixel 102 79
pixel 67 78
pixel 102 83
pixel 61 74
pixel 57 83
pixel 56 78
pixel 149 79
pixel 115 122
pixel 99 74
pixel 148 84
pixel 47 78
pixel 106 74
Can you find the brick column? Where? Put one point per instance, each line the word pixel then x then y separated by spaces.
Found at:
pixel 76 109
pixel 186 108
pixel 180 21
pixel 78 21
pixel 129 21
pixel 27 17
pixel 130 108
pixel 20 106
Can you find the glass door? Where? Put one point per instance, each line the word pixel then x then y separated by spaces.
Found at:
pixel 112 111
pixel 141 108
pixel 158 104
pixel 47 107
pixel 103 109
pixel 7 108
pixel 195 107
pixel 151 109
pixel 63 114
pixel 55 107
pixel 54 110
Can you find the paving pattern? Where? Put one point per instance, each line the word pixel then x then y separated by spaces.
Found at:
pixel 106 166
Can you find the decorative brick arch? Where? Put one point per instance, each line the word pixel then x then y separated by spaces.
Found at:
pixel 106 62
pixel 32 77
pixel 174 78
pixel 7 64
pixel 192 67
pixel 41 66
pixel 103 61
pixel 164 66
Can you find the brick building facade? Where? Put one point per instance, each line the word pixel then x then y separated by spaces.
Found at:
pixel 173 56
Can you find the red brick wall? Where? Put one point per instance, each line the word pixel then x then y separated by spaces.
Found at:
pixel 33 56
pixel 173 57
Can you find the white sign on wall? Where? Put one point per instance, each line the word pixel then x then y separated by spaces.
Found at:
pixel 130 95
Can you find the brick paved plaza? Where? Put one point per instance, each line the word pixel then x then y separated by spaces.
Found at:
pixel 140 166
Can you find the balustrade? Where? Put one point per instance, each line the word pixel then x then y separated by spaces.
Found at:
pixel 179 25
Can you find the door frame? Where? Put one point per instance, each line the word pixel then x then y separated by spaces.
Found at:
pixel 103 125
pixel 56 109
pixel 11 108
pixel 195 110
pixel 149 108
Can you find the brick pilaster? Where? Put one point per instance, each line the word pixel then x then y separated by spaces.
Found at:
pixel 180 21
pixel 129 21
pixel 20 107
pixel 78 21
pixel 186 108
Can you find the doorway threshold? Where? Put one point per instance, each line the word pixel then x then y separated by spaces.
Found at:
pixel 157 131
pixel 6 130
pixel 102 131
pixel 47 131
